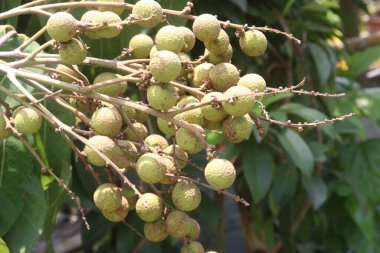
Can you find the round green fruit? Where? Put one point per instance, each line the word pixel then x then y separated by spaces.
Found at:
pixel 153 51
pixel 105 145
pixel 237 129
pixel 189 38
pixel 188 141
pixel 140 45
pixel 224 76
pixel 166 127
pixel 176 224
pixel 165 66
pixel 106 121
pixel 92 17
pixel 254 82
pixel 149 207
pixel 161 97
pixel 178 154
pixel 169 38
pixel 194 229
pixel 193 116
pixel 169 168
pixel 155 231
pixel 131 197
pixel 136 115
pixel 253 43
pixel 67 74
pixel 149 10
pixel 186 100
pixel 156 141
pixel 212 112
pixel 184 58
pixel 117 10
pixel 201 74
pixel 114 89
pixel 192 247
pixel 240 103
pixel 186 196
pixel 73 52
pixel 5 134
pixel 151 168
pixel 119 214
pixel 215 59
pixel 27 120
pixel 126 154
pixel 206 27
pixel 218 45
pixel 108 197
pixel 61 26
pixel 109 31
pixel 212 125
pixel 140 129
pixel 220 173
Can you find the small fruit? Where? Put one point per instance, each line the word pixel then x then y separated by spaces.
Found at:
pixel 155 231
pixel 117 10
pixel 82 104
pixel 206 27
pixel 109 31
pixel 140 45
pixel 134 114
pixel 27 120
pixel 189 37
pixel 106 121
pixel 237 129
pixel 92 17
pixel 212 125
pixel 215 59
pixel 169 168
pixel 140 129
pixel 166 127
pixel 253 43
pixel 108 197
pixel 3 123
pixel 194 229
pixel 193 116
pixel 192 247
pixel 165 66
pixel 156 141
pixel 218 45
pixel 202 74
pixel 240 104
pixel 220 173
pixel 213 112
pixel 126 154
pixel 153 51
pixel 161 97
pixel 68 74
pixel 224 76
pixel 180 155
pixel 254 82
pixel 188 141
pixel 176 224
pixel 186 196
pixel 184 58
pixel 114 89
pixel 73 52
pixel 131 197
pixel 151 168
pixel 61 26
pixel 5 134
pixel 119 214
pixel 169 38
pixel 186 100
pixel 149 10
pixel 105 145
pixel 149 207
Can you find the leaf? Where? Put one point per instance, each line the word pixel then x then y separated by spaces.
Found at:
pixel 359 62
pixel 175 5
pixel 6 6
pixel 316 189
pixel 321 61
pixel 298 150
pixel 242 4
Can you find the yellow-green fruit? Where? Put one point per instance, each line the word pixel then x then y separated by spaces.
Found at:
pixel 153 51
pixel 202 74
pixel 5 134
pixel 68 73
pixel 220 173
pixel 166 127
pixel 237 129
pixel 218 45
pixel 188 141
pixel 240 104
pixel 141 130
pixel 169 168
pixel 254 82
pixel 140 46
pixel 110 18
pixel 27 120
pixel 112 90
pixel 212 125
pixel 192 247
pixel 82 105
pixel 169 38
pixel 73 52
pixel 186 100
pixel 186 196
pixel 206 27
pixel 151 168
pixel 131 198
pixel 147 9
pixel 108 197
pixel 194 229
pixel 161 97
pixel 213 112
pixel 193 116
pixel 149 207
pixel 184 58
pixel 224 76
pixel 176 224
pixel 155 231
pixel 219 58
pixel 117 10
pixel 253 43
pixel 126 154
pixel 165 66
pixel 156 141
pixel 106 121
pixel 119 214
pixel 105 145
pixel 189 37
pixel 61 26
pixel 180 155
pixel 134 114
pixel 3 123
pixel 92 17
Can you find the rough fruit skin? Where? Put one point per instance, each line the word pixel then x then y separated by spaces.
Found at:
pixel 5 134
pixel 193 116
pixel 188 141
pixel 180 155
pixel 212 125
pixel 131 198
pixel 68 71
pixel 120 213
pixel 169 168
pixel 169 38
pixel 145 9
pixel 82 105
pixel 27 120
pixel 211 112
pixel 202 74
pixel 153 51
pixel 240 105
pixel 149 207
pixel 155 140
pixel 220 173
pixel 134 114
pixel 92 17
pixel 155 231
pixel 126 153
pixel 108 197
pixel 106 121
pixel 224 76
pixel 165 66
pixel 192 247
pixel 116 10
pixel 109 32
pixel 237 129
pixel 215 59
pixel 141 130
pixel 186 100
pixel 61 26
pixel 141 45
pixel 218 45
pixel 184 58
pixel 161 97
pixel 151 168
pixel 206 27
pixel 194 229
pixel 189 37
pixel 166 127
pixel 112 90
pixel 253 43
pixel 176 224
pixel 105 145
pixel 186 196
pixel 254 82
pixel 73 52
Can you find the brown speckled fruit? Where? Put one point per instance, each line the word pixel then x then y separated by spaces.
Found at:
pixel 149 207
pixel 169 38
pixel 212 112
pixel 180 155
pixel 140 45
pixel 108 197
pixel 165 66
pixel 237 129
pixel 193 116
pixel 27 120
pixel 240 104
pixel 151 168
pixel 219 58
pixel 61 26
pixel 134 114
pixel 254 82
pixel 105 145
pixel 176 224
pixel 224 76
pixel 106 121
pixel 206 27
pixel 73 52
pixel 126 154
pixel 188 141
pixel 218 45
pixel 109 31
pixel 220 173
pixel 194 229
pixel 161 97
pixel 186 196
pixel 184 58
pixel 92 17
pixel 201 74
pixel 155 231
pixel 253 43
pixel 119 214
pixel 156 141
pixel 117 10
pixel 189 37
pixel 165 126
pixel 141 130
pixel 192 247
pixel 131 197
pixel 186 100
pixel 169 168
pixel 150 10
pixel 114 89
pixel 67 74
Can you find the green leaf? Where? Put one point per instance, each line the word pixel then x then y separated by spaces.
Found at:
pixel 298 150
pixel 3 246
pixel 242 4
pixel 321 61
pixel 316 189
pixel 359 62
pixel 6 6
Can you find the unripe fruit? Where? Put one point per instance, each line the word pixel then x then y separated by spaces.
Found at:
pixel 73 52
pixel 169 168
pixel 68 73
pixel 119 214
pixel 202 74
pixel 183 58
pixel 206 27
pixel 61 26
pixel 131 198
pixel 180 155
pixel 27 120
pixel 109 31
pixel 218 45
pixel 151 168
pixel 141 130
pixel 215 59
pixel 117 10
pixel 211 112
pixel 155 231
pixel 140 46
pixel 92 17
pixel 192 247
pixel 188 141
pixel 161 97
pixel 108 197
pixel 220 173
pixel 82 105
pixel 194 229
pixel 165 66
pixel 189 38
pixel 176 224
pixel 147 9
pixel 112 90
pixel 224 76
pixel 186 196
pixel 241 104
pixel 126 154
pixel 166 127
pixel 134 114
pixel 186 100
pixel 253 43
pixel 3 123
pixel 105 145
pixel 149 207
pixel 5 134
pixel 237 129
pixel 153 51
pixel 106 121
pixel 193 116
pixel 156 141
pixel 254 82
pixel 212 125
pixel 169 38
